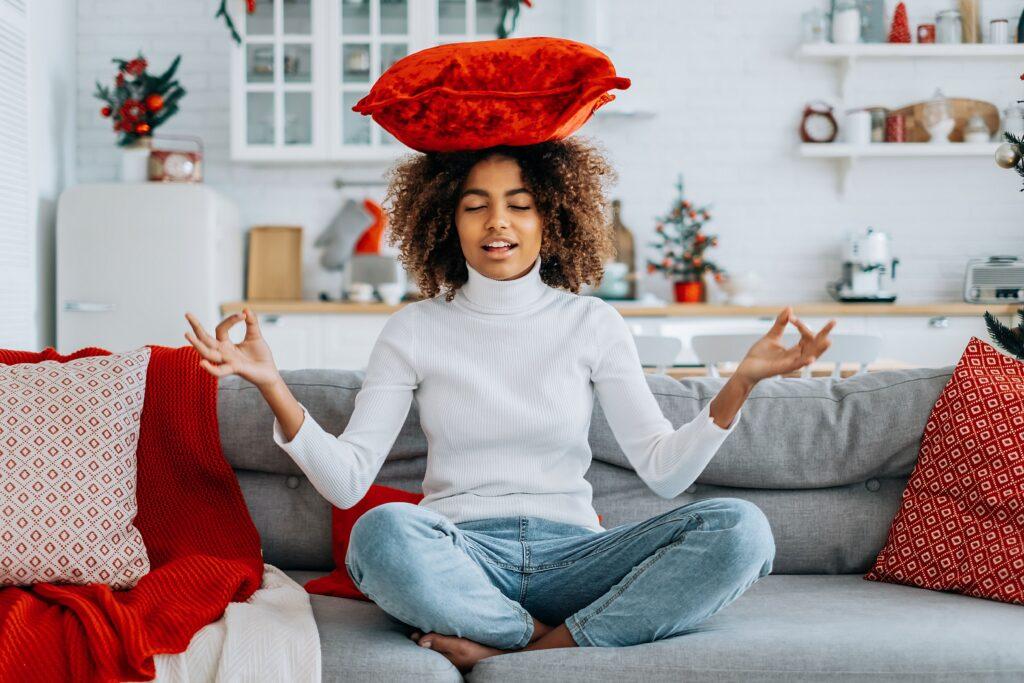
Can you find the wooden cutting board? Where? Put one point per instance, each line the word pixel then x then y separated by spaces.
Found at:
pixel 962 108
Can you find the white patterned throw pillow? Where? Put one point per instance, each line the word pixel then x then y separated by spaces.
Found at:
pixel 68 436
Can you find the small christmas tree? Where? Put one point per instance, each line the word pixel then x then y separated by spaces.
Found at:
pixel 900 31
pixel 682 243
pixel 139 101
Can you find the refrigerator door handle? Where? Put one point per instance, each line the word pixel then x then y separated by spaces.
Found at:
pixel 88 306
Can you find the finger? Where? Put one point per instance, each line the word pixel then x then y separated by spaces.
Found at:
pixel 805 332
pixel 823 332
pixel 252 325
pixel 200 332
pixel 225 325
pixel 204 350
pixel 216 370
pixel 780 322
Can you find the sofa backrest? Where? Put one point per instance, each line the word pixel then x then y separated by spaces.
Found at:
pixel 826 460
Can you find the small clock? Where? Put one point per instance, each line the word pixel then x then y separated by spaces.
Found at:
pixel 171 165
pixel 818 124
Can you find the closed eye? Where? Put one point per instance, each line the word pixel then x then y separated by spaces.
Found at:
pixel 520 208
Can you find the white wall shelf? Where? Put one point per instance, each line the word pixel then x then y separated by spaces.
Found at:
pixel 847 155
pixel 846 56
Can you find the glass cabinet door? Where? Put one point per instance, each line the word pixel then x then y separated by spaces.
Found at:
pixel 371 36
pixel 462 20
pixel 280 76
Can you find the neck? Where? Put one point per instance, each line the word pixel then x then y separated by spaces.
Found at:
pixel 487 295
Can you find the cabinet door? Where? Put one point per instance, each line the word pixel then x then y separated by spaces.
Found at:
pixel 278 81
pixel 925 341
pixel 293 339
pixel 347 340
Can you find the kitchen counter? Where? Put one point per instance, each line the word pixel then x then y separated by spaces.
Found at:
pixel 636 309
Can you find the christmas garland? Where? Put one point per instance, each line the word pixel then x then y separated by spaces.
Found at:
pixel 509 14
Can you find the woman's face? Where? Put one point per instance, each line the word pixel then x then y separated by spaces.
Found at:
pixel 494 205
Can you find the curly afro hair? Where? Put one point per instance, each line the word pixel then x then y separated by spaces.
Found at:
pixel 567 179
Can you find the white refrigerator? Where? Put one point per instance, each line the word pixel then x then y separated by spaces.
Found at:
pixel 132 258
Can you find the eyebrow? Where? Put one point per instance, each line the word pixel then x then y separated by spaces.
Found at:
pixel 482 193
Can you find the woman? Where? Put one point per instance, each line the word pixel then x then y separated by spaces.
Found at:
pixel 505 551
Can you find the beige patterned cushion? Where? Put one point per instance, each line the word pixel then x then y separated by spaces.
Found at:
pixel 68 435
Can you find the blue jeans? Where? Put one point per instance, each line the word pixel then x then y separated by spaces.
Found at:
pixel 484 579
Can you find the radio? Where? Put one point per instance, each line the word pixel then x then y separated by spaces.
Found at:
pixel 994 280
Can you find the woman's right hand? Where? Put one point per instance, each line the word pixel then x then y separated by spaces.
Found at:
pixel 250 359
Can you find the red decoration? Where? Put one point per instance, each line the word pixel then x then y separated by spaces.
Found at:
pixel 105 111
pixel 369 241
pixel 154 102
pixel 960 526
pixel 689 292
pixel 895 128
pixel 900 31
pixel 203 548
pixel 477 94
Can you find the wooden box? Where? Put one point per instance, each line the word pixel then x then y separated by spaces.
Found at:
pixel 274 267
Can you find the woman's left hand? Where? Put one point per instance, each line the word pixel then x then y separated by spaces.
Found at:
pixel 768 357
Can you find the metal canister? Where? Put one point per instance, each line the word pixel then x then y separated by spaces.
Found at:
pixel 895 128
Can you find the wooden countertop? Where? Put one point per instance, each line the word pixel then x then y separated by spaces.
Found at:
pixel 816 309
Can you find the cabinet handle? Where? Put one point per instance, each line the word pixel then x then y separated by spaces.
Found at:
pixel 939 322
pixel 88 307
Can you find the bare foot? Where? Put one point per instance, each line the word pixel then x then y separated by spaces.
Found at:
pixel 462 652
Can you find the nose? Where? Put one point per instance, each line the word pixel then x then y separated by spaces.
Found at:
pixel 498 218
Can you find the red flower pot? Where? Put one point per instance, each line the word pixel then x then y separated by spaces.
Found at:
pixel 689 292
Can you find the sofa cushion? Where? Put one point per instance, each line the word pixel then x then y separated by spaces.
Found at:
pixel 359 642
pixel 960 526
pixel 804 628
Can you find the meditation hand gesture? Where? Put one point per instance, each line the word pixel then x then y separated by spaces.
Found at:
pixel 768 357
pixel 250 359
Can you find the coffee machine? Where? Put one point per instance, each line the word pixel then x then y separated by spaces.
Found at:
pixel 868 269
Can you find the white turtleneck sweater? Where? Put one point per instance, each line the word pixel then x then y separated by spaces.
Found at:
pixel 504 376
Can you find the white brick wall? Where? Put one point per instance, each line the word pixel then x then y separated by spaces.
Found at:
pixel 727 93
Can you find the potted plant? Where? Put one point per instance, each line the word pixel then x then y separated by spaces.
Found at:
pixel 681 243
pixel 136 105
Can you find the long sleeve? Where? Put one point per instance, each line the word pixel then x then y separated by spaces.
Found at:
pixel 668 460
pixel 342 467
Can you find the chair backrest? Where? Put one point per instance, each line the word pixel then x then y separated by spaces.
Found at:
pixel 712 349
pixel 657 351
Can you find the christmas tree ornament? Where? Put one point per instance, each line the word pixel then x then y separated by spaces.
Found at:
pixel 900 31
pixel 1007 155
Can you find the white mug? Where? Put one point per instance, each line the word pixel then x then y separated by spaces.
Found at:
pixel 857 130
pixel 360 291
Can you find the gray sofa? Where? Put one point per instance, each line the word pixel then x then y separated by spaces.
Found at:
pixel 825 460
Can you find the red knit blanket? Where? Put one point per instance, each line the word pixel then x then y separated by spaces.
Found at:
pixel 204 550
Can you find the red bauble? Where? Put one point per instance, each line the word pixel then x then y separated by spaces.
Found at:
pixel 142 128
pixel 900 31
pixel 154 102
pixel 105 111
pixel 250 6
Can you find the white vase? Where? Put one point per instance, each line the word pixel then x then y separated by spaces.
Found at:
pixel 135 161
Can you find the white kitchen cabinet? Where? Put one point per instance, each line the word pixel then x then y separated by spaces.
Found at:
pixel 348 339
pixel 928 341
pixel 294 340
pixel 303 64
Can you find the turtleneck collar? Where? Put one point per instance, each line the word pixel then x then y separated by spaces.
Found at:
pixel 488 295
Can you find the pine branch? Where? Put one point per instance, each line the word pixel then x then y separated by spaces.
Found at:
pixel 1008 339
pixel 223 12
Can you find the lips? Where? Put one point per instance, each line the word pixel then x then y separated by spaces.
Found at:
pixel 500 250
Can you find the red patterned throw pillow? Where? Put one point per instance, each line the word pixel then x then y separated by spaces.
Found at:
pixel 960 526
pixel 68 437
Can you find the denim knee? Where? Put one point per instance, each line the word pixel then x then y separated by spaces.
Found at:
pixel 379 536
pixel 751 533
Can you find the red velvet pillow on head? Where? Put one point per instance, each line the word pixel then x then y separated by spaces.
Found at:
pixel 472 95
pixel 960 526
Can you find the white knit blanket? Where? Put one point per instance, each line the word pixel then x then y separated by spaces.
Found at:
pixel 272 636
